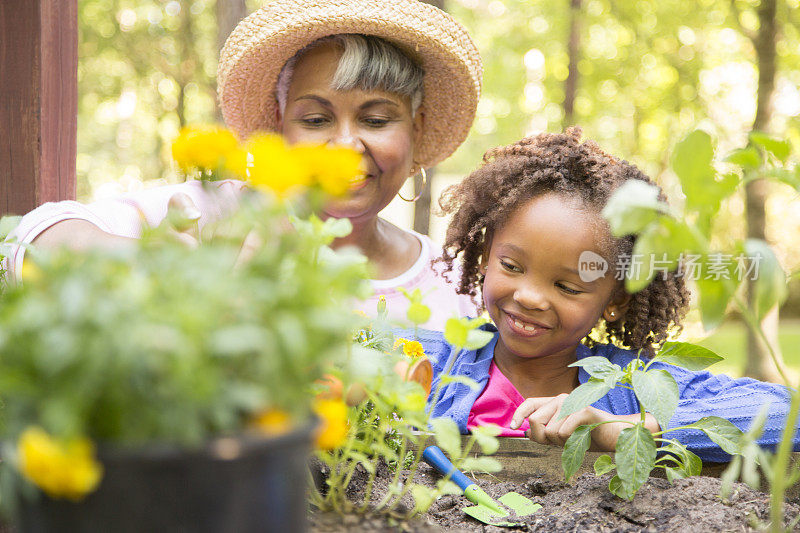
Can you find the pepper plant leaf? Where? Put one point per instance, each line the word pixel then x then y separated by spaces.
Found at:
pixel 583 396
pixel 603 465
pixel 658 392
pixel 722 432
pixel 620 489
pixel 686 355
pixel 635 457
pixel 575 449
pixel 599 367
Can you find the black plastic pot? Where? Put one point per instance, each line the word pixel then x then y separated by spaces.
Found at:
pixel 233 485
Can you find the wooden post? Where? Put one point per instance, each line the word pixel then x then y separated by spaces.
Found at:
pixel 38 102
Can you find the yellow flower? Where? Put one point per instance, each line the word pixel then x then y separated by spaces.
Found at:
pixel 31 272
pixel 275 167
pixel 203 147
pixel 413 349
pixel 272 422
pixel 335 169
pixel 332 432
pixel 61 469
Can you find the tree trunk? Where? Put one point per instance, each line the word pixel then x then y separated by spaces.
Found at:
pixel 573 51
pixel 759 362
pixel 422 207
pixel 38 102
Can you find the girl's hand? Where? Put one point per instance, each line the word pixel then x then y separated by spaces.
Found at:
pixel 545 428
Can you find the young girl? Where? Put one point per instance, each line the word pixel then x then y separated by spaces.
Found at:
pixel 521 224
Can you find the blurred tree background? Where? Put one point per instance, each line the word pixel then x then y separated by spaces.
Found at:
pixel 636 76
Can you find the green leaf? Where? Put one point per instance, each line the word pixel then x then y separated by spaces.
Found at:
pixel 657 250
pixel 722 432
pixel 486 437
pixel 658 392
pixel 620 489
pixel 632 207
pixel 477 339
pixel 599 367
pixel 692 162
pixel 686 355
pixel 687 462
pixel 418 313
pixel 713 296
pixel 423 498
pixel 463 333
pixel 7 225
pixel 583 396
pixel 635 456
pixel 770 279
pixel 337 227
pixel 673 473
pixel 469 382
pixel 480 464
pixel 748 158
pixel 730 475
pixel 575 449
pixel 780 148
pixel 365 461
pixel 447 436
pixel 603 465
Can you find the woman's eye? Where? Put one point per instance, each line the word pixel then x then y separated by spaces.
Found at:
pixel 566 289
pixel 509 266
pixel 376 122
pixel 314 121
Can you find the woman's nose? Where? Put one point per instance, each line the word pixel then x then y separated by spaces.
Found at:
pixel 348 136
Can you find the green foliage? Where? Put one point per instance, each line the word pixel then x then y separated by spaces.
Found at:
pixel 682 239
pixel 7 225
pixel 657 393
pixel 381 425
pixel 172 344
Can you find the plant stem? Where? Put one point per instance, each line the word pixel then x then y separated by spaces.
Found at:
pixel 781 465
pixel 384 503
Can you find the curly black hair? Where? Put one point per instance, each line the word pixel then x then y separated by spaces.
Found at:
pixel 515 174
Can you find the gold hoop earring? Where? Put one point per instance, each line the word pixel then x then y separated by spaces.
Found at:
pixel 424 182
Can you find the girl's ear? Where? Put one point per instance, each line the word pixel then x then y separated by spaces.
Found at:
pixel 618 305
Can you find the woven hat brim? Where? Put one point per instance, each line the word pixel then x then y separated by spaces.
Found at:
pixel 261 44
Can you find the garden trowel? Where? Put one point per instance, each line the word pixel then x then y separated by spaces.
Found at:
pixel 486 509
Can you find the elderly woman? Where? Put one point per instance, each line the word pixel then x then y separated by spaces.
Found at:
pixel 398 81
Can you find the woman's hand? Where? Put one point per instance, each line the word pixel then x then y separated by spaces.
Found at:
pixel 546 428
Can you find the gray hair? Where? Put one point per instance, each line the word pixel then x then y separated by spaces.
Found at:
pixel 368 63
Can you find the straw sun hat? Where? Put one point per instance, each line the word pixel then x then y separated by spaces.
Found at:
pixel 261 44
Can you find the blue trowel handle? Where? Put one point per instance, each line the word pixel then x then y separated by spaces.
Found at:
pixel 438 460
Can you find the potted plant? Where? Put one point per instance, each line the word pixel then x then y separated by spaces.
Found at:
pixel 168 387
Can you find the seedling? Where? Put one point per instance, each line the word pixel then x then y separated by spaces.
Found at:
pixel 657 393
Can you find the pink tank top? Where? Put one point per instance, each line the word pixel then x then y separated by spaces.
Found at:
pixel 496 405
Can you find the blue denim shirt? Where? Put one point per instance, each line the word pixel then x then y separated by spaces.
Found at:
pixel 701 393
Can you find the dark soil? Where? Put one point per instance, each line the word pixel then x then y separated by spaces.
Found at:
pixel 585 505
